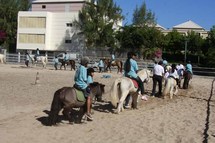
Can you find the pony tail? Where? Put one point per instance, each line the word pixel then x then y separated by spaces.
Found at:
pixel 55 108
pixel 166 88
pixel 114 95
pixel 127 65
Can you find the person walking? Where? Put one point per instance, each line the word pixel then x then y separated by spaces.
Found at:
pixel 101 65
pixel 158 73
pixel 56 61
pixel 27 59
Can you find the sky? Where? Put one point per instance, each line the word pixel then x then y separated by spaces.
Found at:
pixel 169 13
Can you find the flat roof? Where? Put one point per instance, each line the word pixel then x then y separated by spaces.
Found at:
pixel 57 1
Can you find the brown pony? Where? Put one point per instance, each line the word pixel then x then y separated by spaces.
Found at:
pixel 187 78
pixel 66 98
pixel 110 63
pixel 69 62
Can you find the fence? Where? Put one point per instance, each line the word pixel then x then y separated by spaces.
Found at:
pixel 20 59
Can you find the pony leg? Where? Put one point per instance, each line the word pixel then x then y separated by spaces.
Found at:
pixel 134 100
pixel 53 116
pixel 121 101
pixel 81 114
pixel 176 90
pixel 171 92
pixel 67 111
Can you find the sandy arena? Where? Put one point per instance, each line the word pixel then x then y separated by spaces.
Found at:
pixel 187 118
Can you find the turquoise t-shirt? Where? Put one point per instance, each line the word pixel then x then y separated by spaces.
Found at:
pixel 66 57
pixel 55 60
pixel 89 79
pixel 113 57
pixel 101 63
pixel 81 77
pixel 189 68
pixel 134 68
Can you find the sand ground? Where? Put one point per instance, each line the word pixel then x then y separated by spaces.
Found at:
pixel 187 118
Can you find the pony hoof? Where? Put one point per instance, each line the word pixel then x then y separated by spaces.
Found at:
pixel 116 112
pixel 71 123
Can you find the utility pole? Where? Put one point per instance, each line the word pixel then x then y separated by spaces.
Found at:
pixel 185 51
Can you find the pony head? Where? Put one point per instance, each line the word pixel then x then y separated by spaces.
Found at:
pixel 144 75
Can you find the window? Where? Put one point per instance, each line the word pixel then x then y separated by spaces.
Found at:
pixel 32 38
pixel 43 6
pixel 69 24
pixel 32 22
pixel 68 41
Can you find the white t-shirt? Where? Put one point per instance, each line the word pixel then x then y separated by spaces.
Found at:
pixel 180 67
pixel 174 74
pixel 158 70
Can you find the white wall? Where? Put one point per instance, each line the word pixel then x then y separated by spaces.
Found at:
pixel 56 31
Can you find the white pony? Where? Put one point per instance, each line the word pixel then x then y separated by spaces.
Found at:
pixel 168 70
pixel 124 86
pixel 170 86
pixel 43 59
pixel 2 58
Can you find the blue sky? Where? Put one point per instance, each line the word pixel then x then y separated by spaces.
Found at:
pixel 173 12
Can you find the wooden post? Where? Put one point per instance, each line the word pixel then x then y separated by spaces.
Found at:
pixel 37 81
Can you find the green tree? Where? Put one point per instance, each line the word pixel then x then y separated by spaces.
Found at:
pixel 8 21
pixel 211 51
pixel 143 40
pixel 130 38
pixel 174 42
pixel 96 21
pixel 142 16
pixel 195 42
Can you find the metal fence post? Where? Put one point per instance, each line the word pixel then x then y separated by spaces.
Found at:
pixel 18 57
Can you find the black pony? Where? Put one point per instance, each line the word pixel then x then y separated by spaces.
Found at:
pixel 68 62
pixel 66 98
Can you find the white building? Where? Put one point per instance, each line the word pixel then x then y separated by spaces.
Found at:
pixel 49 26
pixel 189 26
pixel 184 28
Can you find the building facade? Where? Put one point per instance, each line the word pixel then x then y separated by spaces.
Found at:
pixel 184 28
pixel 49 26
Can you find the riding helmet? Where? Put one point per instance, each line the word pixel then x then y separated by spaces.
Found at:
pixel 85 60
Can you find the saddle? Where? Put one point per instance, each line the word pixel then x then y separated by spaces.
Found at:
pixel 134 82
pixel 79 94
